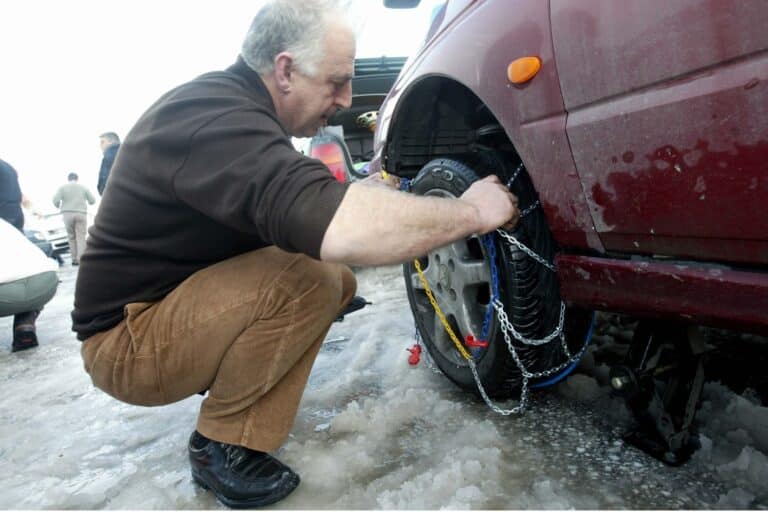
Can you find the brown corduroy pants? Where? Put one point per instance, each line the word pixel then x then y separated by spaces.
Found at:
pixel 248 329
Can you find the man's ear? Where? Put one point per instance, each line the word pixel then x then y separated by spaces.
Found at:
pixel 284 71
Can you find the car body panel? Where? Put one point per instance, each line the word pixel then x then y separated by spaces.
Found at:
pixel 37 238
pixel 685 291
pixel 667 123
pixel 475 52
pixel 670 156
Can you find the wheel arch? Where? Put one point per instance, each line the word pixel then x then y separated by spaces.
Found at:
pixel 439 116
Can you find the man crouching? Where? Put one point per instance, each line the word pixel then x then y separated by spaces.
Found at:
pixel 216 260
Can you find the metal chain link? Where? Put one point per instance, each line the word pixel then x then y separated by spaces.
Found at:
pixel 528 210
pixel 514 241
pixel 427 357
pixel 564 346
pixel 544 373
pixel 515 174
pixel 507 325
pixel 504 412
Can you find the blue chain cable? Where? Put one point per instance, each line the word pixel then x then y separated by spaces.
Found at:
pixel 489 240
pixel 490 245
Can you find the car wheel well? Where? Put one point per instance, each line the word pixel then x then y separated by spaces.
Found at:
pixel 440 117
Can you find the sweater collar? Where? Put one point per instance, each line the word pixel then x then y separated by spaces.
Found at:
pixel 242 69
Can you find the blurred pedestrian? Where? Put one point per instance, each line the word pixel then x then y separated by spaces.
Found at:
pixel 218 262
pixel 71 199
pixel 10 196
pixel 28 280
pixel 109 143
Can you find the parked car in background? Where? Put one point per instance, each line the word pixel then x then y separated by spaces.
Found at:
pixel 37 238
pixel 51 228
pixel 635 135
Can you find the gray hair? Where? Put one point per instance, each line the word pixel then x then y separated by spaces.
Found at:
pixel 296 26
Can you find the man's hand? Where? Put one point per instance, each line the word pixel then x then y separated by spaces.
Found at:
pixel 495 204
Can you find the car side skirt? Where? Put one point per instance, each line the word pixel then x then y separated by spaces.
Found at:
pixel 708 295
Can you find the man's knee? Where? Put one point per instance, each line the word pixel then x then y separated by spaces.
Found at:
pixel 326 284
pixel 28 294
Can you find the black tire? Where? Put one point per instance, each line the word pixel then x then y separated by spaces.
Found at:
pixel 459 277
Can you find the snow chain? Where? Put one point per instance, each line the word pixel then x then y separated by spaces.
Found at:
pixel 508 330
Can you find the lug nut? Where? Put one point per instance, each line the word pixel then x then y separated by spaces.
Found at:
pixel 618 383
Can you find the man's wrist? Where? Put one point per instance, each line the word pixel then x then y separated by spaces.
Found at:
pixel 471 219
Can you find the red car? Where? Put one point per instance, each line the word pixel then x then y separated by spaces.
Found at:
pixel 635 134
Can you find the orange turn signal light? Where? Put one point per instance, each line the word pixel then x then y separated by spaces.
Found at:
pixel 523 69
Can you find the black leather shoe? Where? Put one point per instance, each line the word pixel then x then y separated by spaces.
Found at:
pixel 238 476
pixel 24 338
pixel 24 335
pixel 355 304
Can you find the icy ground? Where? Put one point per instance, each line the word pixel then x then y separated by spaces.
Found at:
pixel 372 432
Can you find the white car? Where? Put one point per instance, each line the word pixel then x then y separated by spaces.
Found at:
pixel 51 226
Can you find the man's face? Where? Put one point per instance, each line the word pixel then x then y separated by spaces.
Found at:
pixel 313 99
pixel 103 143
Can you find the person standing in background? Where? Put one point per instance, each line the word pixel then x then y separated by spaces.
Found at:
pixel 109 143
pixel 10 196
pixel 71 200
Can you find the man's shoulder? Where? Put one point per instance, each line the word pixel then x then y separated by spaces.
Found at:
pixel 201 102
pixel 214 80
pixel 224 87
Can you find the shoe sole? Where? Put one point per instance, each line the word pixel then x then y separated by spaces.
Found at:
pixel 29 340
pixel 244 503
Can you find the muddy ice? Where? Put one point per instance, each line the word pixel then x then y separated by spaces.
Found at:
pixel 372 432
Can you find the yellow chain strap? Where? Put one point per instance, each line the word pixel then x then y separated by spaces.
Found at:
pixel 439 312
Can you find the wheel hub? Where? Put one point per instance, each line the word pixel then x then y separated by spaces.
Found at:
pixel 444 277
pixel 454 276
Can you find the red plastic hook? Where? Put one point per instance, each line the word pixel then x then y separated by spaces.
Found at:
pixel 473 342
pixel 415 351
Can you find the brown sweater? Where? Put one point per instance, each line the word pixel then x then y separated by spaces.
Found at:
pixel 207 173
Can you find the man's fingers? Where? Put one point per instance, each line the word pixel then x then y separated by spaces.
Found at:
pixel 493 197
pixel 511 223
pixel 509 226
